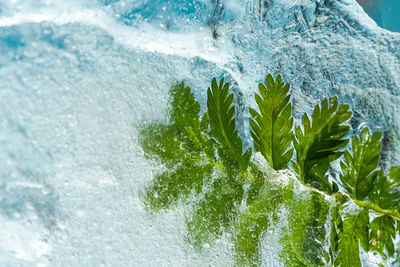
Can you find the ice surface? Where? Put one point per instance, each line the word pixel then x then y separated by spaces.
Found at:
pixel 78 77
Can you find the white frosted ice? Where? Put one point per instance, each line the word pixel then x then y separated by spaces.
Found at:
pixel 77 78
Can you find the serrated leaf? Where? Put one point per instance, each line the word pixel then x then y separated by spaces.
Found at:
pixel 319 142
pixel 271 127
pixel 354 233
pixel 169 186
pixel 160 141
pixel 304 239
pixel 382 234
pixel 386 192
pixel 255 220
pixel 184 109
pixel 315 233
pixel 359 169
pixel 223 124
pixel 214 213
pixel 249 230
pixel 181 147
pixel 336 228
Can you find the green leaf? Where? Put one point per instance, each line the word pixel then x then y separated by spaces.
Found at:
pixel 315 233
pixel 355 233
pixel 271 128
pixel 336 227
pixel 255 220
pixel 304 239
pixel 221 112
pixel 171 185
pixel 359 169
pixel 382 234
pixel 181 147
pixel 184 110
pixel 319 143
pixel 214 213
pixel 253 223
pixel 386 193
pixel 160 142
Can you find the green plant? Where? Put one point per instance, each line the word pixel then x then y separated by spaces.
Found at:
pixel 321 223
pixel 271 129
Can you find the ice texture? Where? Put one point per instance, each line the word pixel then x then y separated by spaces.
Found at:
pixel 77 79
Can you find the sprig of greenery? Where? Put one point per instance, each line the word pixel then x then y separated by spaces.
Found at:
pixel 215 212
pixel 360 168
pixel 383 232
pixel 386 193
pixel 260 214
pixel 271 129
pixel 355 231
pixel 180 147
pixel 319 143
pixel 203 156
pixel 223 124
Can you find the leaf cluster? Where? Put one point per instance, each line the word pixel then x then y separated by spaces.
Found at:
pixel 203 156
pixel 319 143
pixel 200 155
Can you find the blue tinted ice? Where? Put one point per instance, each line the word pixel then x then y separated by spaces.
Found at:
pixel 77 78
pixel 384 12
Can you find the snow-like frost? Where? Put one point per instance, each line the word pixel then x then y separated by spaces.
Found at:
pixel 77 78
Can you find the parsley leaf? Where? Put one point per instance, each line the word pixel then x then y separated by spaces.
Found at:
pixel 223 125
pixel 359 169
pixel 355 231
pixel 180 146
pixel 382 234
pixel 386 193
pixel 271 128
pixel 319 143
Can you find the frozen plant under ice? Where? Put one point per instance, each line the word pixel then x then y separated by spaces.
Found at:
pixel 326 223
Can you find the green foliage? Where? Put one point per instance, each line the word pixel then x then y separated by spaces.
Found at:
pixel 319 143
pixel 336 224
pixel 355 232
pixel 271 129
pixel 303 239
pixel 185 169
pixel 186 147
pixel 359 169
pixel 223 124
pixel 255 220
pixel 180 147
pixel 236 193
pixel 251 226
pixel 215 212
pixel 185 113
pixel 383 232
pixel 386 193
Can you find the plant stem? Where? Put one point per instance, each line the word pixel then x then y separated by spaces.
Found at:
pixel 369 205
